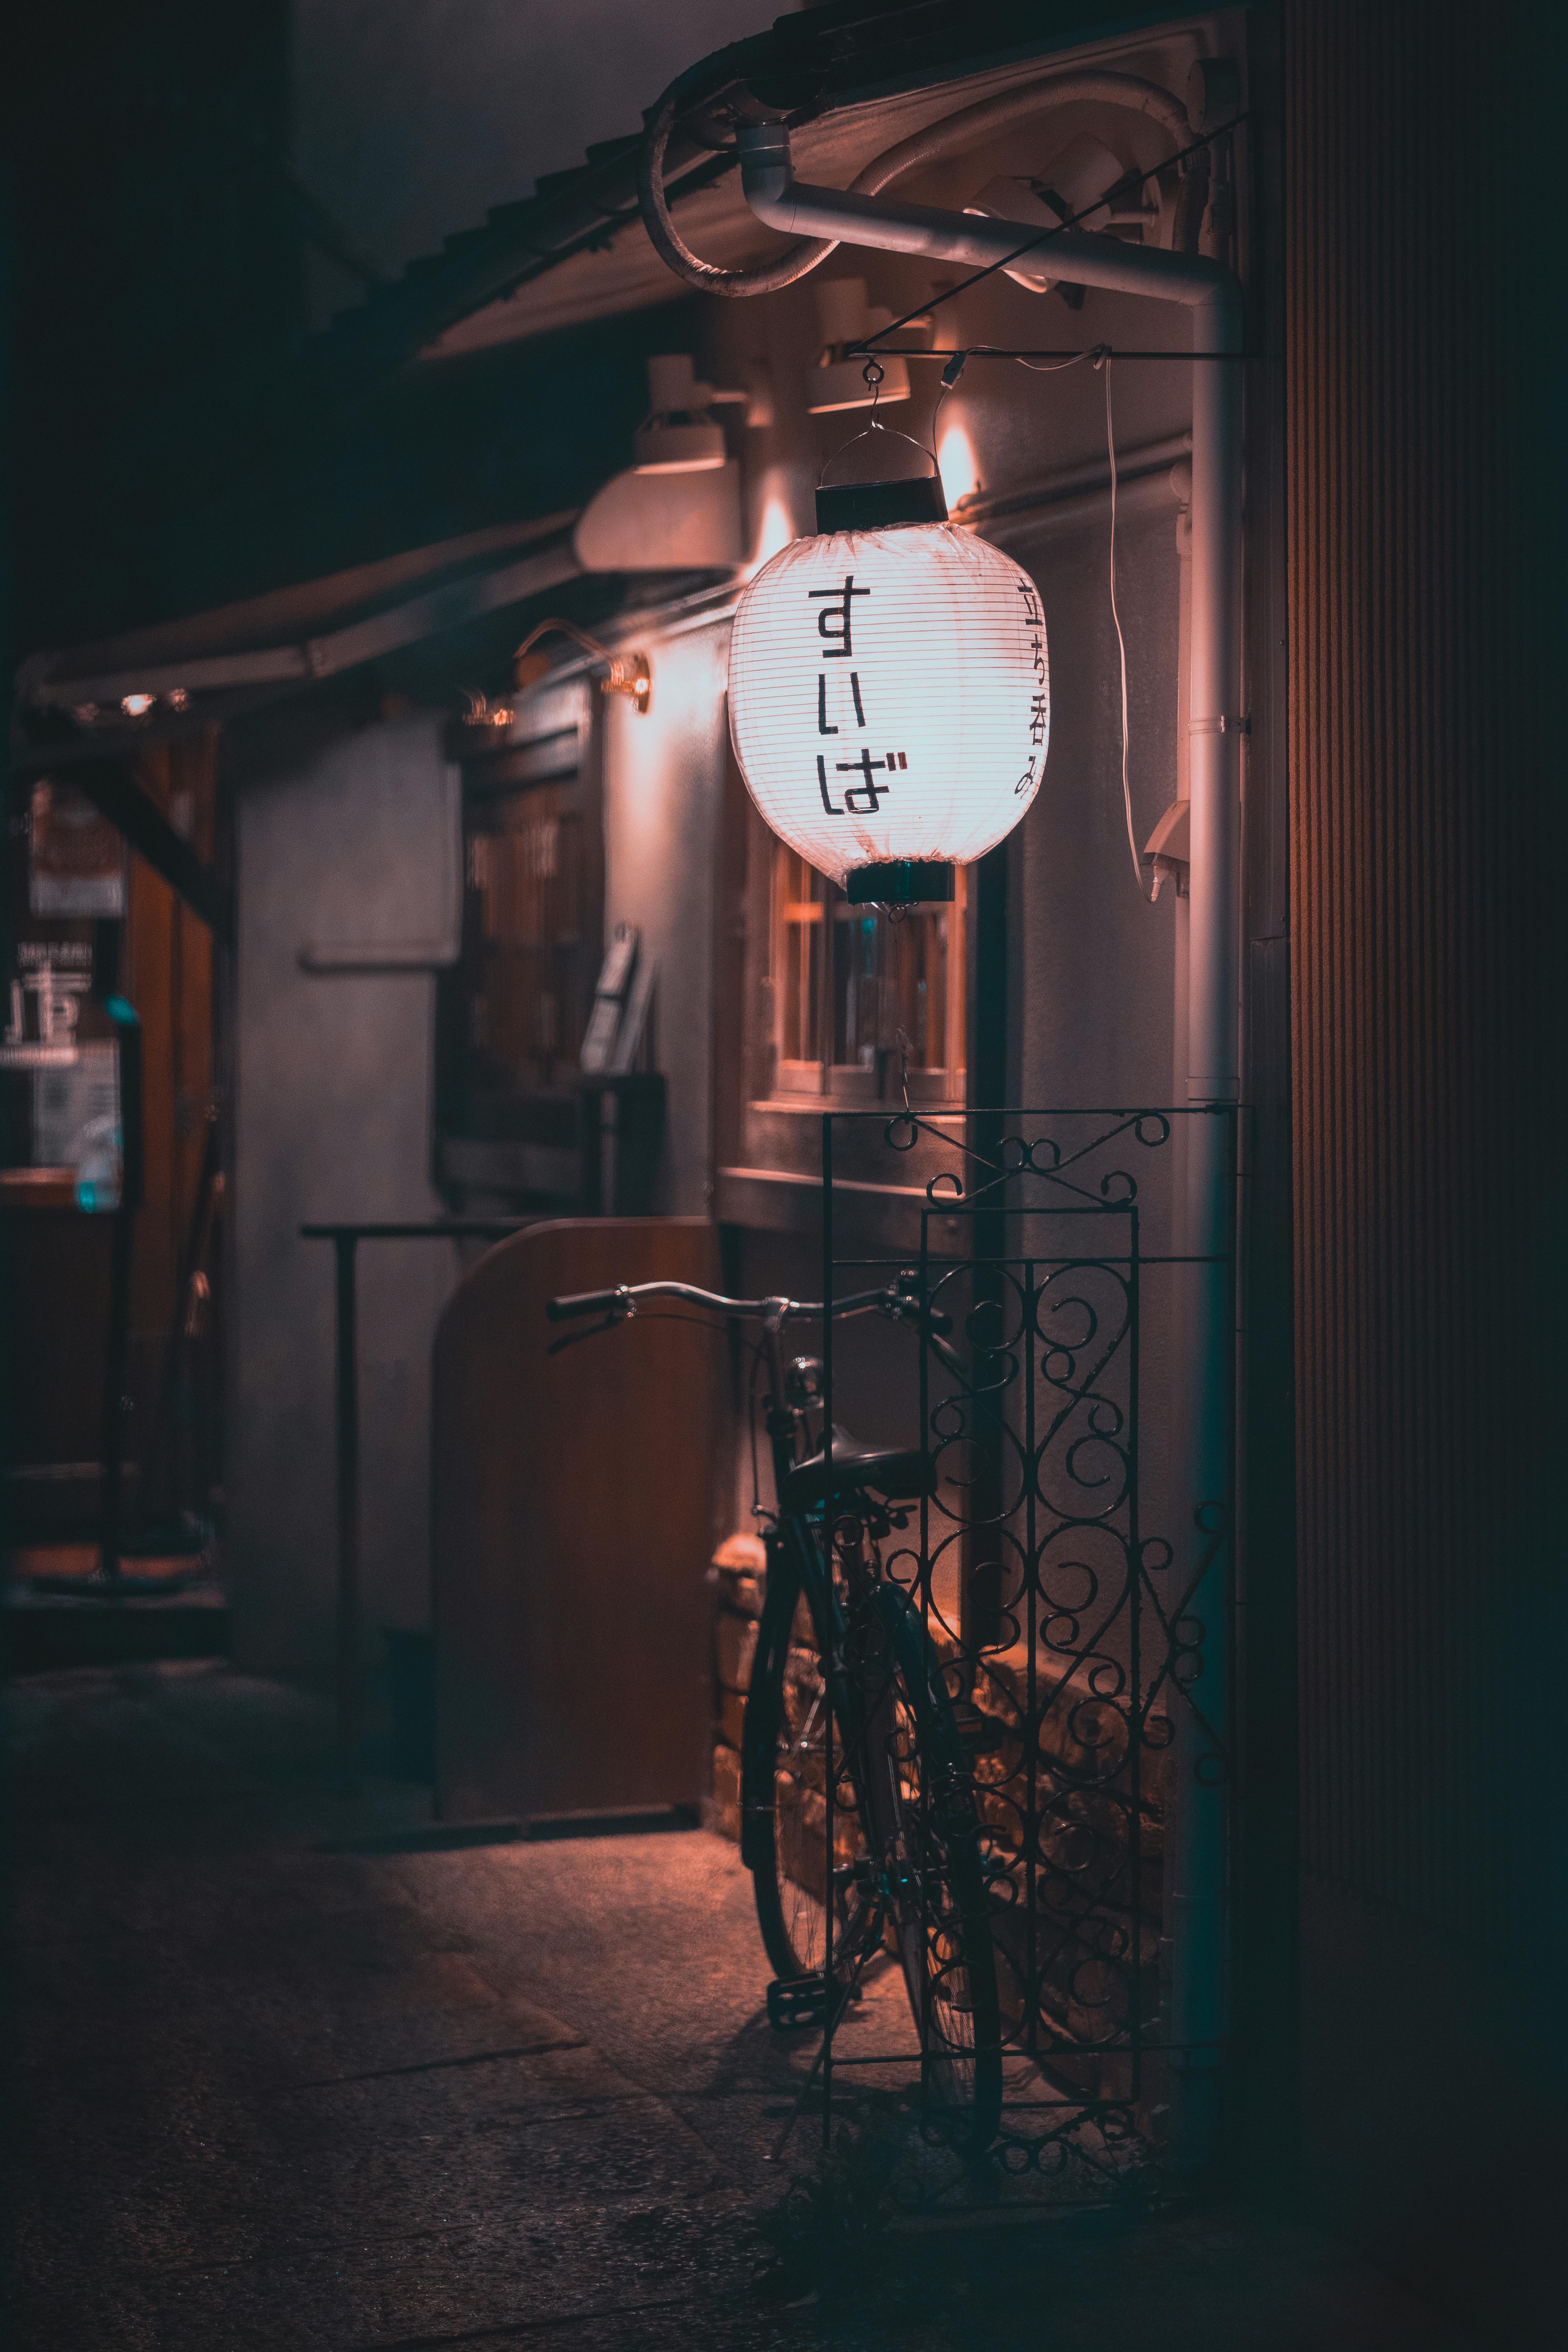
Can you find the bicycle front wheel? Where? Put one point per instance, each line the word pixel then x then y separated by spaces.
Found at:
pixel 887 1768
pixel 792 1746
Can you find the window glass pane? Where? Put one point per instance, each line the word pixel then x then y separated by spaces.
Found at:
pixel 799 959
pixel 854 984
pixel 858 987
pixel 918 952
pixel 891 982
pixel 526 1008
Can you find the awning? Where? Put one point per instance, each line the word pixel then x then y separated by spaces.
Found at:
pixel 857 76
pixel 294 636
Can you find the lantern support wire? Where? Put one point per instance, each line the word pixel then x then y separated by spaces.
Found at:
pixel 950 376
pixel 1007 352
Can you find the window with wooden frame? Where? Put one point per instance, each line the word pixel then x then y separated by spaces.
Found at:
pixel 526 1006
pixel 860 996
pixel 513 1011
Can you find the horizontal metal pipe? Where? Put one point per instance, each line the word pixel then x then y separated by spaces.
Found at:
pixel 800 210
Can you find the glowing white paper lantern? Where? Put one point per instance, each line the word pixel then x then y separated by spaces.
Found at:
pixel 889 698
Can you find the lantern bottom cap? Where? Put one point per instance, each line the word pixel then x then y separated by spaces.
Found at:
pixel 900 882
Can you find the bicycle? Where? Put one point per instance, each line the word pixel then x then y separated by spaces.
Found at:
pixel 858 1817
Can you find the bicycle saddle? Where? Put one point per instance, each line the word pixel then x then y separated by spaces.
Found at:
pixel 897 1473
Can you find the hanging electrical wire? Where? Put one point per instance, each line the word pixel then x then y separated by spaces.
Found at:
pixel 1101 356
pixel 1059 360
pixel 1102 360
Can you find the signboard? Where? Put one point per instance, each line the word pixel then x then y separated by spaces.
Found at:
pixel 76 860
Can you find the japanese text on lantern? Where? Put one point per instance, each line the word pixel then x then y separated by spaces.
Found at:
pixel 1034 623
pixel 835 627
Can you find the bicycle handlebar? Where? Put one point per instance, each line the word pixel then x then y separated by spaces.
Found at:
pixel 622 1301
pixel 584 1302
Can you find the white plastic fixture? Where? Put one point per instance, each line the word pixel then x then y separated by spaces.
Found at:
pixel 889 703
pixel 1086 185
pixel 837 383
pixel 679 435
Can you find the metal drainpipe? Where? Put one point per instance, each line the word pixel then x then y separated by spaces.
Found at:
pixel 1200 1972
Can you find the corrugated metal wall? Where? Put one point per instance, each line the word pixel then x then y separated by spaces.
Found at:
pixel 1423 308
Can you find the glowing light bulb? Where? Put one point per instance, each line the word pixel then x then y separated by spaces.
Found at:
pixel 776 530
pixel 956 462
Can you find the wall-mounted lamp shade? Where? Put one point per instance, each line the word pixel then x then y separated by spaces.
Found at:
pixel 677 436
pixel 889 702
pixel 669 445
pixel 685 521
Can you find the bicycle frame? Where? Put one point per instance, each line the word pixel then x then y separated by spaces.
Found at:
pixel 873 1671
pixel 793 1534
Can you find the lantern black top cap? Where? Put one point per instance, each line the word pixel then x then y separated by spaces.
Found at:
pixel 880 506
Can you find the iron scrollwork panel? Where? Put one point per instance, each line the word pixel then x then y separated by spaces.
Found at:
pixel 1057 1564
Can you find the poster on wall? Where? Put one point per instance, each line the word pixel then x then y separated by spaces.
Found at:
pixel 76 860
pixel 50 982
pixel 76 1108
pixel 67 1111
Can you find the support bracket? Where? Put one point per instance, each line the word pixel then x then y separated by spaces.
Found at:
pixel 110 785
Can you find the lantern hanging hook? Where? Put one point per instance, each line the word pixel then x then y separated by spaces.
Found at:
pixel 894 432
pixel 873 373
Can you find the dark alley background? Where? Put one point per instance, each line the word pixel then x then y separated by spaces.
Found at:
pixel 292 2069
pixel 193 195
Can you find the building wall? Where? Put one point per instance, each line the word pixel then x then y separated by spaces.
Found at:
pixel 347 839
pixel 663 776
pixel 1092 994
pixel 1425 505
pixel 1099 961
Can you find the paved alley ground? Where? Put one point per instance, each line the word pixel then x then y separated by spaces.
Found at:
pixel 281 2083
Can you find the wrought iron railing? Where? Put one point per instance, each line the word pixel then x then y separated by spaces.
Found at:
pixel 1077 1591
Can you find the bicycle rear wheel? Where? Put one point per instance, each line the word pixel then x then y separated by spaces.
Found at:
pixel 922 1821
